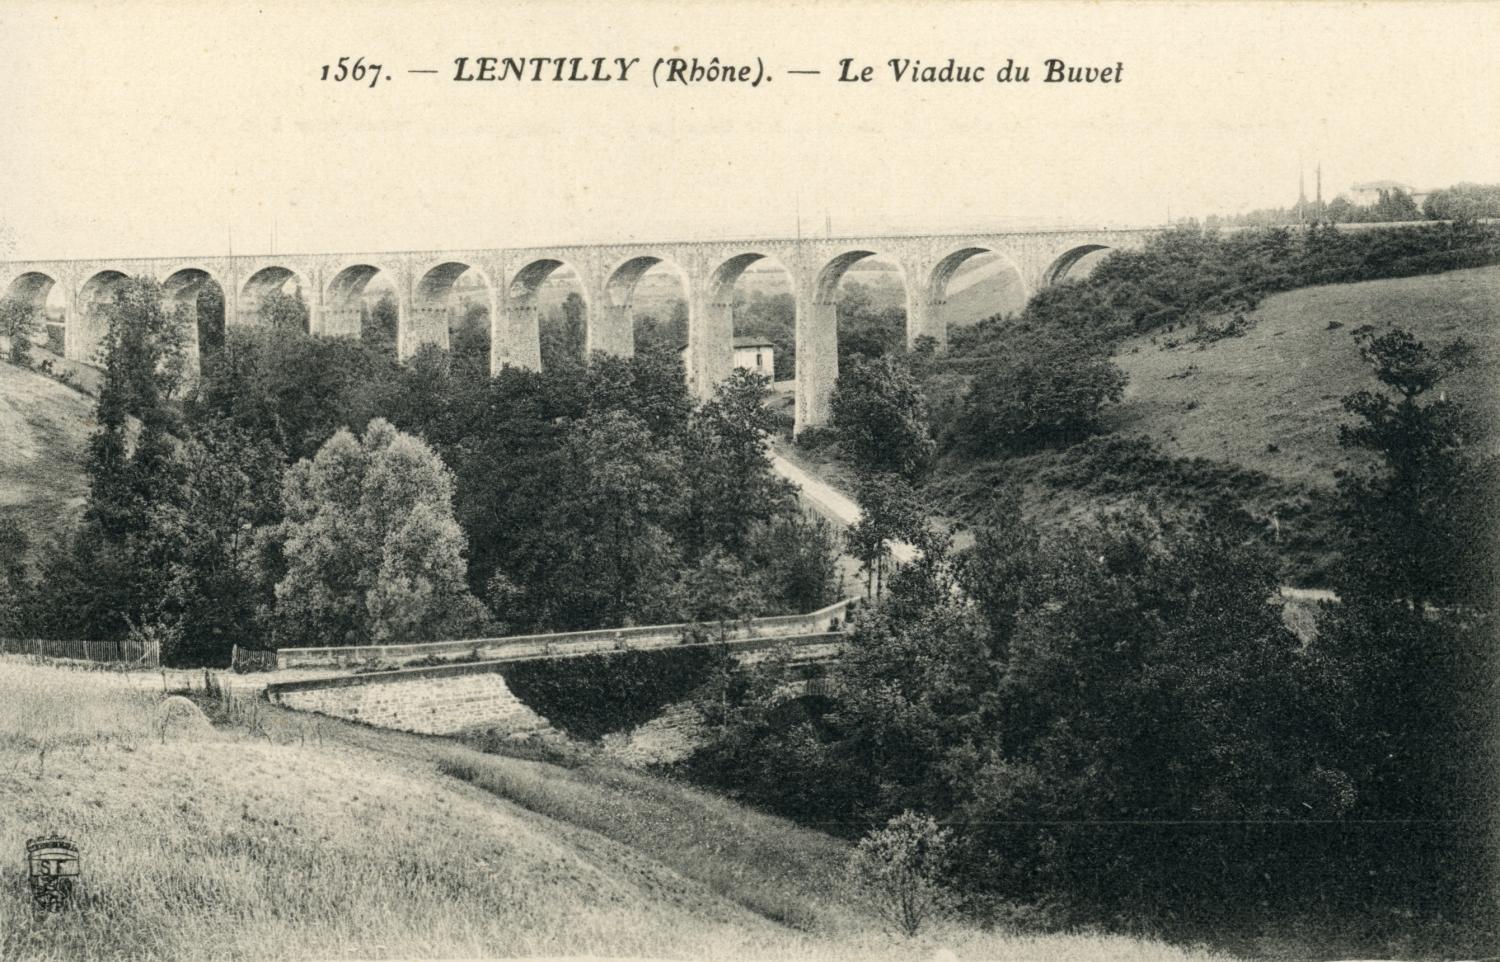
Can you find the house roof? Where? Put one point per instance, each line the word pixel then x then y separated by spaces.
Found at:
pixel 1382 185
pixel 738 342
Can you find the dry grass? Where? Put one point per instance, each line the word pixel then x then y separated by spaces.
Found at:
pixel 776 869
pixel 45 428
pixel 325 840
pixel 1269 400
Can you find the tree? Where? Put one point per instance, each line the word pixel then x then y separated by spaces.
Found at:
pixel 621 500
pixel 380 324
pixel 1148 677
pixel 881 415
pixel 889 511
pixel 19 323
pixel 470 338
pixel 1410 650
pixel 131 468
pixel 1417 524
pixel 901 867
pixel 368 551
pixel 563 333
pixel 281 311
pixel 208 308
pixel 228 486
pixel 730 485
pixel 1045 389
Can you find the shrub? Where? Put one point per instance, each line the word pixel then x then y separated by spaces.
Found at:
pixel 900 867
pixel 813 438
pixel 1045 390
pixel 18 322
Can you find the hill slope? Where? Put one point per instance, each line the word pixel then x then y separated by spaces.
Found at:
pixel 291 836
pixel 1269 400
pixel 44 431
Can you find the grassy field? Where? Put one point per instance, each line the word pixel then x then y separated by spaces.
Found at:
pixel 44 430
pixel 1269 400
pixel 295 837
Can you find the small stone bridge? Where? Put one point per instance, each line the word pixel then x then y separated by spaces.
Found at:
pixel 469 692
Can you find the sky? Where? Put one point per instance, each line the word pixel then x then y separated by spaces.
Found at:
pixel 162 128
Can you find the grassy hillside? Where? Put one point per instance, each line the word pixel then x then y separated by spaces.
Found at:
pixel 301 837
pixel 1253 418
pixel 1269 400
pixel 44 430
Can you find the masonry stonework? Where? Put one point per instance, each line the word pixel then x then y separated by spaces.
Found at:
pixel 434 704
pixel 333 284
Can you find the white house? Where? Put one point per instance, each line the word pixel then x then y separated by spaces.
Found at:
pixel 751 353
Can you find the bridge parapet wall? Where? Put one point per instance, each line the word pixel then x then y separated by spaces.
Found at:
pixel 564 643
pixel 450 699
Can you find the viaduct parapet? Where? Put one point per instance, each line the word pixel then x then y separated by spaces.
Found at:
pixel 333 286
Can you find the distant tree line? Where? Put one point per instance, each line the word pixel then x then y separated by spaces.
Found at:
pixel 1394 205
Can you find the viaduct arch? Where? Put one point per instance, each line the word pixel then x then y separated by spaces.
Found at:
pixel 608 274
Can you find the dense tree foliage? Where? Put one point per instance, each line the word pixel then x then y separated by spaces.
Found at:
pixel 1463 202
pixel 1113 713
pixel 596 494
pixel 20 324
pixel 880 414
pixel 563 333
pixel 367 550
pixel 282 311
pixel 1412 533
pixel 1047 388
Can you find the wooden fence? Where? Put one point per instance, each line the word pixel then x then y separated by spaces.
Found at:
pixel 252 659
pixel 144 654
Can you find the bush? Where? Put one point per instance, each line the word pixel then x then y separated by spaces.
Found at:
pixel 813 438
pixel 18 322
pixel 900 868
pixel 1046 390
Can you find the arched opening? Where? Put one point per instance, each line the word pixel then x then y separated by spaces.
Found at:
pixel 200 298
pixel 551 293
pixel 806 709
pixel 48 305
pixel 1075 264
pixel 277 298
pixel 451 306
pixel 646 309
pixel 869 292
pixel 95 297
pixel 752 324
pixel 362 303
pixel 974 284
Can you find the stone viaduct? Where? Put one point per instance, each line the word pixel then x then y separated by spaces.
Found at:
pixel 333 286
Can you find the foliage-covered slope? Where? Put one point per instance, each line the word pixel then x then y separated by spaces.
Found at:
pixel 1249 421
